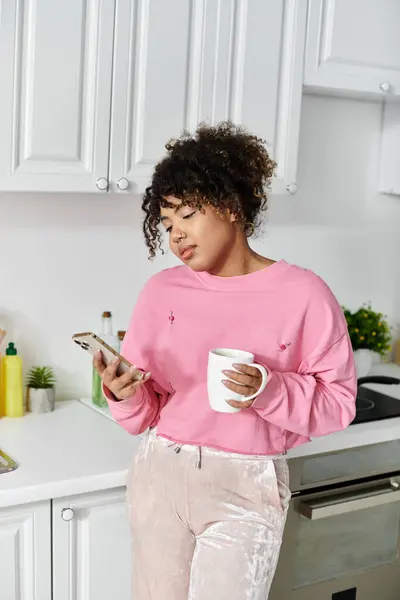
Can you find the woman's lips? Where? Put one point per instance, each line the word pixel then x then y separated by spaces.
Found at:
pixel 187 252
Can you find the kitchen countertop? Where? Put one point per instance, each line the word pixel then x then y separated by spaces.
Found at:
pixel 69 451
pixel 76 450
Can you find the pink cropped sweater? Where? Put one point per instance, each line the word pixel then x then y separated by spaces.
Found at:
pixel 285 315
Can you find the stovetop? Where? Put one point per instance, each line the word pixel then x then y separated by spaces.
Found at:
pixel 374 406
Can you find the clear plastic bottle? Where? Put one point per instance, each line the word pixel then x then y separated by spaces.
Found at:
pixel 12 388
pixel 121 335
pixel 112 340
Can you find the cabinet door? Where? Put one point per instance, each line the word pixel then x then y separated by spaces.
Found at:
pixel 389 166
pixel 178 63
pixel 55 72
pixel 25 552
pixel 251 72
pixel 91 547
pixel 354 46
pixel 155 79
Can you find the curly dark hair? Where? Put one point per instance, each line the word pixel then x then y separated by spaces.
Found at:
pixel 223 166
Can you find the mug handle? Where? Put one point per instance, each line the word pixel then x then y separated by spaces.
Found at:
pixel 264 374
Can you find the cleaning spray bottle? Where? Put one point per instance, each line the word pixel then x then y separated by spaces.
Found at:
pixel 12 388
pixel 112 340
pixel 2 408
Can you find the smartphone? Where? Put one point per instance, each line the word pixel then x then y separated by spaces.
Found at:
pixel 90 342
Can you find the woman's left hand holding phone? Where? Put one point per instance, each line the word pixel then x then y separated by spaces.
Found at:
pixel 122 386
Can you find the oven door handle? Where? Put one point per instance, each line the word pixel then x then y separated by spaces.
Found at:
pixel 330 506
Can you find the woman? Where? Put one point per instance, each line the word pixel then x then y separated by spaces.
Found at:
pixel 208 491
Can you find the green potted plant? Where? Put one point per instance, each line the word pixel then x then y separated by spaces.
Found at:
pixel 40 389
pixel 369 333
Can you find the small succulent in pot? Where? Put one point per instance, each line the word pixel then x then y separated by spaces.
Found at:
pixel 41 393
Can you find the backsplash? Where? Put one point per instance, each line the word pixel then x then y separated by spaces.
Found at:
pixel 66 258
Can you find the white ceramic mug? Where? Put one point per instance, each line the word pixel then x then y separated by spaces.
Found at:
pixel 223 359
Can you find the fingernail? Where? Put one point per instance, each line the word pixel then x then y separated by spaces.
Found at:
pixel 225 381
pixel 147 376
pixel 98 354
pixel 227 372
pixel 236 366
pixel 132 369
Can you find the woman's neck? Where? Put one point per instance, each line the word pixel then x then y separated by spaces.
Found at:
pixel 240 260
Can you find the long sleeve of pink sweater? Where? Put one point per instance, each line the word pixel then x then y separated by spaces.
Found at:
pixel 285 315
pixel 141 411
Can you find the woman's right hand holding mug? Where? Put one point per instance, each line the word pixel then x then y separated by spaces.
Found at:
pixel 121 386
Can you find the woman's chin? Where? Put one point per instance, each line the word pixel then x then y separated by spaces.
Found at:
pixel 196 264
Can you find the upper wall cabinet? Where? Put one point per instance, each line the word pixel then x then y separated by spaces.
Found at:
pixel 178 63
pixel 154 77
pixel 92 91
pixel 353 46
pixel 389 170
pixel 56 75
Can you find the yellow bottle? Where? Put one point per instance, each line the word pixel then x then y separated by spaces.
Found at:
pixel 2 411
pixel 12 389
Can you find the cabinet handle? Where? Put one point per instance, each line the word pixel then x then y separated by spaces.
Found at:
pixel 123 184
pixel 67 514
pixel 385 86
pixel 102 183
pixel 292 188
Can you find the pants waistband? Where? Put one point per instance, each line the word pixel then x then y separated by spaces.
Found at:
pixel 177 447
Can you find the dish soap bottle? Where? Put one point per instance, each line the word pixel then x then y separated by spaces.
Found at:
pixel 12 388
pixel 112 340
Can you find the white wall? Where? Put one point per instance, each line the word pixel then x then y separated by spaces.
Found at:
pixel 64 259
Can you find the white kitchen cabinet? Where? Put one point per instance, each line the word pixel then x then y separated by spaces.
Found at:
pixel 75 548
pixel 178 63
pixel 92 91
pixel 251 72
pixel 91 547
pixel 154 74
pixel 25 550
pixel 56 75
pixel 353 47
pixel 389 171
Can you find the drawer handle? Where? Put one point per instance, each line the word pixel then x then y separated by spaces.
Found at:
pixel 67 514
pixel 340 504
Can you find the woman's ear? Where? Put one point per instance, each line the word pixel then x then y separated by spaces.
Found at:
pixel 232 217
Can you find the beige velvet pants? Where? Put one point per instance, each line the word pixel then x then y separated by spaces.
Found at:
pixel 205 524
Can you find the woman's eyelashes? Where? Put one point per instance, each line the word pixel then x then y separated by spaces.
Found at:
pixel 169 229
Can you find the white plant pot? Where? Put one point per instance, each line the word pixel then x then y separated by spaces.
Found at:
pixel 41 400
pixel 363 359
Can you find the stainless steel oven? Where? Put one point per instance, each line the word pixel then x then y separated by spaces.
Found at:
pixel 342 538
